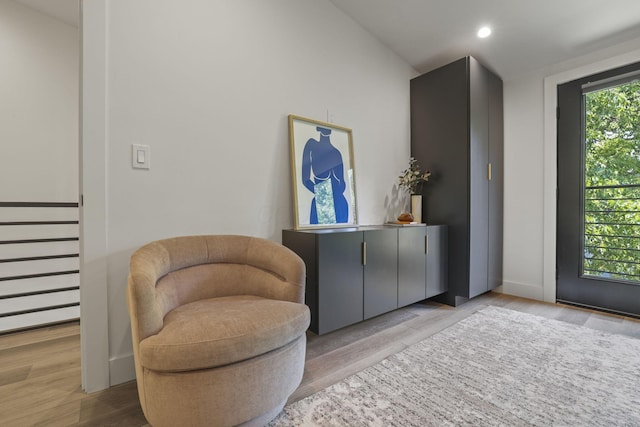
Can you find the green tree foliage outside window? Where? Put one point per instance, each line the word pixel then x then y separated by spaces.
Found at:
pixel 612 183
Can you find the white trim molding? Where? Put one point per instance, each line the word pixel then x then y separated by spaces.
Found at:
pixel 521 290
pixel 122 369
pixel 94 314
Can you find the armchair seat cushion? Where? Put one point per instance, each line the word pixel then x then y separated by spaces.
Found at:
pixel 220 331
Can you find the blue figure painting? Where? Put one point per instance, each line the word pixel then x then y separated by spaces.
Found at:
pixel 323 175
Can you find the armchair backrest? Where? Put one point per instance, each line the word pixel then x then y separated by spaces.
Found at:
pixel 169 273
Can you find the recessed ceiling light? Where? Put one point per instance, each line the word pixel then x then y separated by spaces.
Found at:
pixel 484 32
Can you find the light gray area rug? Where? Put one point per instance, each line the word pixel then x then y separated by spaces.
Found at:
pixel 497 367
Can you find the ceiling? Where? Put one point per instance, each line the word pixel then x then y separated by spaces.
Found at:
pixel 65 10
pixel 527 34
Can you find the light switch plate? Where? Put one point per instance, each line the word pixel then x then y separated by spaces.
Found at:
pixel 140 156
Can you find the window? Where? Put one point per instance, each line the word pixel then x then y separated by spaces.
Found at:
pixel 612 179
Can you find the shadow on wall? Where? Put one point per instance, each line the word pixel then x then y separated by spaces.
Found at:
pixel 396 204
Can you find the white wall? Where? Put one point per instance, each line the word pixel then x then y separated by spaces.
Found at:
pixel 530 168
pixel 38 106
pixel 523 193
pixel 208 85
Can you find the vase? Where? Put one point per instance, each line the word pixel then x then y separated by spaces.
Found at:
pixel 416 207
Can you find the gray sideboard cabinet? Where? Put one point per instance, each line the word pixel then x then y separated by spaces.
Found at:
pixel 353 273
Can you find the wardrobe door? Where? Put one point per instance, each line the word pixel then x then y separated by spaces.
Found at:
pixel 440 142
pixel 478 178
pixel 496 185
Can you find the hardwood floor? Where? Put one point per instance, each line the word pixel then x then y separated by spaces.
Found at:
pixel 40 369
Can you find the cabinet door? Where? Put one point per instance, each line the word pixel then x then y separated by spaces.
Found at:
pixel 340 278
pixel 304 245
pixel 437 265
pixel 380 272
pixel 479 178
pixel 412 265
pixel 440 112
pixel 496 157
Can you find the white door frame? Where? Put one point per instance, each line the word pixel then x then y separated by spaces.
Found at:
pixel 94 326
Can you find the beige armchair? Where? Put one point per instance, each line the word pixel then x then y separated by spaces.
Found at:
pixel 218 325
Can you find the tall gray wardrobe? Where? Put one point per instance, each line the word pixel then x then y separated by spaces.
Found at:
pixel 457 133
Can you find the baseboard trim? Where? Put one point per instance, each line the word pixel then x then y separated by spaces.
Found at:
pixel 522 290
pixel 121 370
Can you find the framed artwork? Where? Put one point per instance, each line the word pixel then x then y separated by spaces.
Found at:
pixel 324 188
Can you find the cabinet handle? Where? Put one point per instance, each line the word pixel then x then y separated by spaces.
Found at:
pixel 364 253
pixel 426 244
pixel 489 171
